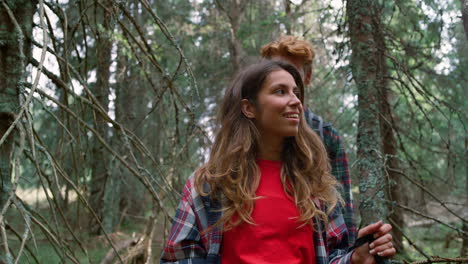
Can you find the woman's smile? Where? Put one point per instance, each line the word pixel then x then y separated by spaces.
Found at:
pixel 292 116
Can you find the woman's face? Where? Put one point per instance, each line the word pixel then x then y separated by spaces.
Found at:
pixel 278 109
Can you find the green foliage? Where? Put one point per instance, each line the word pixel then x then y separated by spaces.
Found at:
pixel 170 124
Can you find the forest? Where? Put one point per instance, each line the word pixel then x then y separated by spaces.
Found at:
pixel 108 106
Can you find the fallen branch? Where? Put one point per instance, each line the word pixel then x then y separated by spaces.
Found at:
pixel 138 249
pixel 119 246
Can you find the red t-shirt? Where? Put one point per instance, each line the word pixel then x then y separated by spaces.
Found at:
pixel 276 237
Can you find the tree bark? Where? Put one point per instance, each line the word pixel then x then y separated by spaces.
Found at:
pixel 69 158
pixel 130 111
pixel 287 10
pixel 14 53
pixel 464 249
pixel 464 9
pixel 100 159
pixel 365 69
pixel 389 145
pixel 234 10
pixel 388 139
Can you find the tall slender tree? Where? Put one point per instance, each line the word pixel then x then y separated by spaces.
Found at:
pixel 464 11
pixel 363 17
pixel 387 130
pixel 16 22
pixel 463 64
pixel 100 163
pixel 234 10
pixel 131 105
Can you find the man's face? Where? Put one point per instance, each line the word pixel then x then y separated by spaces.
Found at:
pixel 299 63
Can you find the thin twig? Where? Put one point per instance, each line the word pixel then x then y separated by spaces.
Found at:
pixel 171 38
pixel 395 225
pixel 440 260
pixel 428 192
pixel 427 216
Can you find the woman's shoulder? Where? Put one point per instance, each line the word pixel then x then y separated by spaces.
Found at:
pixel 192 190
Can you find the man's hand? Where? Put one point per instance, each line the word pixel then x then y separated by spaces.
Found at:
pixel 381 246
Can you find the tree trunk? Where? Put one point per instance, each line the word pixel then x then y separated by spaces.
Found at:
pixel 464 249
pixel 67 158
pixel 234 10
pixel 396 184
pixel 100 158
pixel 130 110
pixel 14 53
pixel 464 10
pixel 287 10
pixel 365 69
pixel 130 102
pixel 388 139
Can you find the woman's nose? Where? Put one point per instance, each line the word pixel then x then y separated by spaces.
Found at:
pixel 295 100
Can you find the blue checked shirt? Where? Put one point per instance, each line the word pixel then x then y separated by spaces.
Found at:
pixel 339 166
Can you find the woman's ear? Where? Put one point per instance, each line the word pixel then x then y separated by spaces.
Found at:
pixel 248 108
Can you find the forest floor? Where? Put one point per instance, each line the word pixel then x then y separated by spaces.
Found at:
pixel 433 238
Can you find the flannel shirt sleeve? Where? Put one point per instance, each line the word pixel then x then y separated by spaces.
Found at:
pixel 185 244
pixel 339 166
pixel 337 238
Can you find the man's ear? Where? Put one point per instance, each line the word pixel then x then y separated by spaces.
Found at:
pixel 308 77
pixel 248 108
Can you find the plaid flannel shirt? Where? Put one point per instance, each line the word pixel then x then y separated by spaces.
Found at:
pixel 339 166
pixel 189 242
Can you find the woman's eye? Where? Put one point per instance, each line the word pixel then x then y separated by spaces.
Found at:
pixel 279 91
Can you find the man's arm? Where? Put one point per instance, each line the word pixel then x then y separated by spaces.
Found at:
pixel 337 238
pixel 339 166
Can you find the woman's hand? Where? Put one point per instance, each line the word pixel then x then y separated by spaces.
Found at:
pixel 381 246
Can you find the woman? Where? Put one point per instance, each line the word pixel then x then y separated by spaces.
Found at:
pixel 266 194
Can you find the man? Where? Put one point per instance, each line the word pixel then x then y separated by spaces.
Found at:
pixel 300 53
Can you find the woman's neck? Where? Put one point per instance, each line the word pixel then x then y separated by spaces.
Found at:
pixel 270 149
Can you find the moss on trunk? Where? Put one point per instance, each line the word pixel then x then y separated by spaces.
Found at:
pixel 365 68
pixel 14 53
